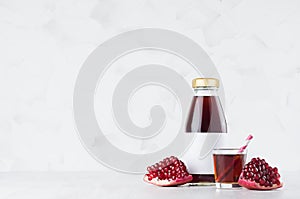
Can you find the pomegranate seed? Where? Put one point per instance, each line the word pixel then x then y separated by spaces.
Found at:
pixel 262 182
pixel 277 182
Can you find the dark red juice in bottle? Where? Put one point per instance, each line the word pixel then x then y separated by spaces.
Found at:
pixel 204 115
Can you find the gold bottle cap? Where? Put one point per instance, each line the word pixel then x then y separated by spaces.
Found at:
pixel 205 82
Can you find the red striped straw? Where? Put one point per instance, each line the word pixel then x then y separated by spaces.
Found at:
pixel 248 139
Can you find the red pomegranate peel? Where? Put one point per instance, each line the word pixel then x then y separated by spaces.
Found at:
pixel 236 160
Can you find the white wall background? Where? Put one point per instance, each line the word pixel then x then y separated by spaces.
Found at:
pixel 254 44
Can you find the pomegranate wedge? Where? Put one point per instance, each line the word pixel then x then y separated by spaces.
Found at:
pixel 168 172
pixel 259 175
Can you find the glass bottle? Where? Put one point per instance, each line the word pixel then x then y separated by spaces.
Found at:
pixel 206 122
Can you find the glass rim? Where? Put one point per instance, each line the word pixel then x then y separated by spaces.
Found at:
pixel 228 150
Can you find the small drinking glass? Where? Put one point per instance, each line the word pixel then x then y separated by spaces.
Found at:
pixel 228 165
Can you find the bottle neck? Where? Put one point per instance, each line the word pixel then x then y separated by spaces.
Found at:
pixel 212 91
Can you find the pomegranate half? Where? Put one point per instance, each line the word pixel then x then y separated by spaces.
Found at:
pixel 259 175
pixel 169 172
